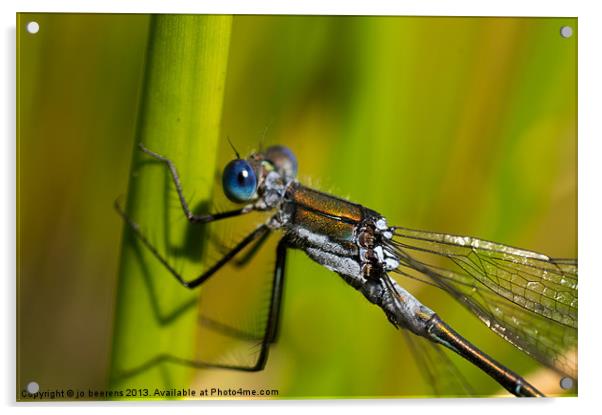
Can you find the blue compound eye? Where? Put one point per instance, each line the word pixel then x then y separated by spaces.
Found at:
pixel 239 181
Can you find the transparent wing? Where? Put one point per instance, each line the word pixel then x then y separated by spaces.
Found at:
pixel 527 298
pixel 440 373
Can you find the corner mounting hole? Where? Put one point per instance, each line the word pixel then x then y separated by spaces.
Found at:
pixel 33 387
pixel 566 31
pixel 33 27
pixel 566 383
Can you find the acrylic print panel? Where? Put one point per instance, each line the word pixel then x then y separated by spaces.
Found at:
pixel 461 126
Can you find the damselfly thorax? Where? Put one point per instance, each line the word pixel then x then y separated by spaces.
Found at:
pixel 344 237
pixel 527 298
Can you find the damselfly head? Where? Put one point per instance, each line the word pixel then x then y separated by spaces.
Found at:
pixel 262 175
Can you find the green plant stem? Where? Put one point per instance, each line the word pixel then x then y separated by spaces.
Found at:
pixel 180 113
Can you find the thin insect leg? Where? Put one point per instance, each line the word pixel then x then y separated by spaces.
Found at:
pixel 176 179
pixel 204 276
pixel 273 324
pixel 269 337
pixel 275 307
pixel 249 255
pixel 169 358
pixel 227 330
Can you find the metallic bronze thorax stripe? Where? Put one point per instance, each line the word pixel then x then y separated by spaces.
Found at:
pixel 325 204
pixel 320 224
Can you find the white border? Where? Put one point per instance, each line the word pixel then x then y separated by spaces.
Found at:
pixel 590 208
pixel 362 7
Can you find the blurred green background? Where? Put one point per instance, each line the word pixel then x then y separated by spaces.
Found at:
pixel 458 125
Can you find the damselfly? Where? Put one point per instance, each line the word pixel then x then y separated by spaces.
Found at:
pixel 527 298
